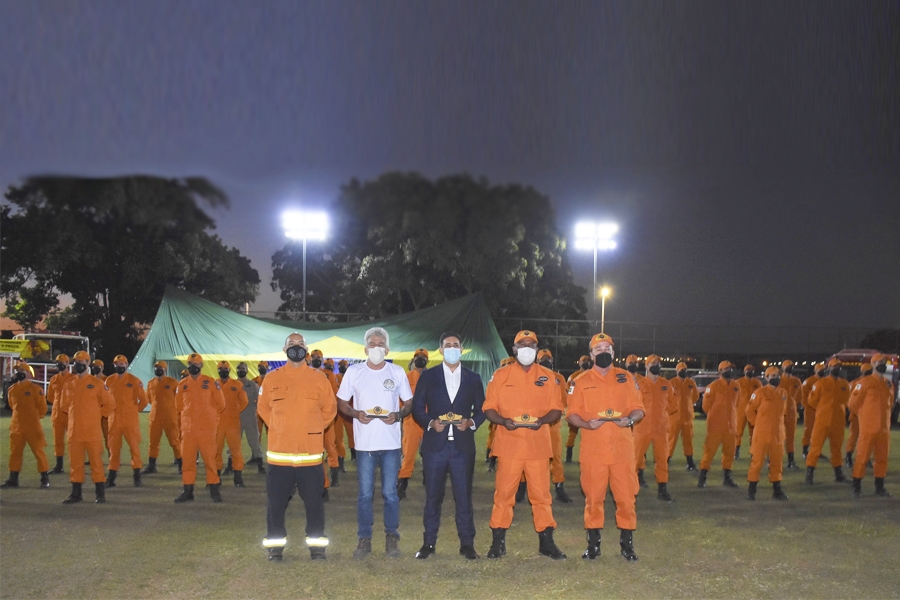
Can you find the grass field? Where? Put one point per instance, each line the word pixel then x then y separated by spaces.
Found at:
pixel 708 543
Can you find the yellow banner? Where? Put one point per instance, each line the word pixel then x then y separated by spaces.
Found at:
pixel 12 348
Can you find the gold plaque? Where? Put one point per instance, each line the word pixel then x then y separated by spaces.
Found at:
pixel 450 418
pixel 378 413
pixel 610 415
pixel 526 420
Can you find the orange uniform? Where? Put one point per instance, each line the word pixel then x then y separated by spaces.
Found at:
pixel 720 404
pixel 809 413
pixel 654 428
pixel 682 421
pixel 608 457
pixel 230 423
pixel 58 419
pixel 829 397
pixel 164 414
pixel 343 424
pixel 131 399
pixel 766 414
pixel 330 439
pixel 202 402
pixel 794 389
pixel 573 431
pixel 86 401
pixel 512 392
pixel 871 402
pixel 412 433
pixel 747 385
pixel 29 405
pixel 557 472
pixel 854 420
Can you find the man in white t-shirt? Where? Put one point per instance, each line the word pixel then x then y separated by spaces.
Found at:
pixel 376 388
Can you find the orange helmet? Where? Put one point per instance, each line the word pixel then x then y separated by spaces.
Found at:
pixel 120 358
pixel 631 358
pixel 223 364
pixel 652 359
pixel 773 370
pixel 195 358
pixel 421 352
pixel 82 355
pixel 63 358
pixel 751 368
pixel 525 334
pixel 680 366
pixel 96 362
pixel 725 364
pixel 865 369
pixel 544 353
pixel 600 337
pixel 161 364
pixel 787 363
pixel 834 362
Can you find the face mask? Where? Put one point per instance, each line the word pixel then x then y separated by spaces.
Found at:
pixel 159 372
pixel 262 370
pixel 820 374
pixel 789 370
pixel 223 373
pixel 19 376
pixel 774 381
pixel 836 372
pixel 546 364
pixel 316 363
pixel 121 370
pixel 376 355
pixel 296 353
pixel 452 355
pixel 632 368
pixel 585 366
pixel 526 356
pixel 81 368
pixel 682 373
pixel 62 367
pixel 342 369
pixel 750 374
pixel 194 369
pixel 94 370
pixel 727 373
pixel 881 369
pixel 654 370
pixel 241 373
pixel 421 362
pixel 603 360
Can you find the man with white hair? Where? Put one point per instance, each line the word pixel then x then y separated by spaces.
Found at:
pixel 376 388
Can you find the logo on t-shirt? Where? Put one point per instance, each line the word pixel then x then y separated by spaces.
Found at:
pixel 389 384
pixel 621 378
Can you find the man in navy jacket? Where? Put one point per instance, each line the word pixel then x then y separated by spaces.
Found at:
pixel 447 404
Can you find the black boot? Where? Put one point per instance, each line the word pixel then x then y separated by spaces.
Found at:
pixel 352 454
pixel 737 452
pixel 593 546
pixel 751 490
pixel 317 553
pixel 111 478
pixel 662 493
pixel 100 493
pixel 214 492
pixel 45 480
pixel 260 466
pixel 179 462
pixel 492 465
pixel 626 542
pixel 791 464
pixel 75 496
pixel 880 489
pixel 727 481
pixel 547 546
pixel 569 454
pixel 498 544
pixel 187 495
pixel 641 481
pixel 151 466
pixel 12 482
pixel 848 460
pixel 777 492
pixel 810 472
pixel 857 487
pixel 805 450
pixel 701 483
pixel 238 478
pixel 690 463
pixel 520 493
pixel 341 464
pixel 561 494
pixel 229 468
pixel 839 475
pixel 402 484
pixel 325 495
pixel 59 466
pixel 487 455
pixel 137 478
pixel 335 472
pixel 276 554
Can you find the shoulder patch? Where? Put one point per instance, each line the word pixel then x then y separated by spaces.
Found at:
pixel 90 386
pixel 233 389
pixel 168 386
pixel 27 393
pixel 664 388
pixel 621 378
pixel 543 378
pixel 129 385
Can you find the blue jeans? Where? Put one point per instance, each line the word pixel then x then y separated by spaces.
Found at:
pixel 389 462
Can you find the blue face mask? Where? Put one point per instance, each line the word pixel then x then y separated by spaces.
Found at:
pixel 452 355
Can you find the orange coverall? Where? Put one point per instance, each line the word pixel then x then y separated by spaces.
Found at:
pixel 853 438
pixel 794 389
pixel 748 385
pixel 343 424
pixel 719 404
pixel 809 413
pixel 654 428
pixel 202 403
pixel 766 414
pixel 682 422
pixel 230 423
pixel 871 402
pixel 513 392
pixel 412 433
pixel 86 401
pixel 607 457
pixel 573 431
pixel 58 419
pixel 259 420
pixel 164 415
pixel 829 396
pixel 131 399
pixel 29 405
pixel 557 472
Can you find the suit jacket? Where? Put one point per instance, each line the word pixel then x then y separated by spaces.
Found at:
pixel 431 401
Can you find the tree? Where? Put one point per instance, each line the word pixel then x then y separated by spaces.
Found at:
pixel 113 244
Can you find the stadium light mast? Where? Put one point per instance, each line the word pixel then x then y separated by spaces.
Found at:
pixel 305 225
pixel 605 292
pixel 592 235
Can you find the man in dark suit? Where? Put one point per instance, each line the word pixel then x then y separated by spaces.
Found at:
pixel 447 404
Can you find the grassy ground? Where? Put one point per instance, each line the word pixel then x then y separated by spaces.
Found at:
pixel 708 543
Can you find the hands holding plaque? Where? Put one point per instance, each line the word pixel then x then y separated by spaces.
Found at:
pixel 377 413
pixel 450 418
pixel 527 421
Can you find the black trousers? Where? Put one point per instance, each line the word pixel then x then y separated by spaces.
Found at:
pixel 460 465
pixel 310 484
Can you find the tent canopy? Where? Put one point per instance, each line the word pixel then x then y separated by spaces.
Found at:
pixel 186 323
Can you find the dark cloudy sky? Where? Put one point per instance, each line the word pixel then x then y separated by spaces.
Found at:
pixel 750 151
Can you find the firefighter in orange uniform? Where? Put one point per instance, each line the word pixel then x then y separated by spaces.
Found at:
pixel 719 404
pixel 412 431
pixel 202 402
pixel 606 403
pixel 262 368
pixel 492 427
pixel 328 367
pixel 85 401
pixel 97 371
pixel 346 424
pixel 654 428
pixel 316 360
pixel 229 428
pixel 557 473
pixel 809 413
pixel 864 369
pixel 299 404
pixel 794 388
pixel 29 405
pixel 163 415
pixel 871 402
pixel 682 422
pixel 522 399
pixel 829 397
pixel 584 364
pixel 57 419
pixel 131 399
pixel 747 384
pixel 765 412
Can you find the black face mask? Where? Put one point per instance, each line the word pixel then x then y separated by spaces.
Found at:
pixel 820 374
pixel 159 372
pixel 296 353
pixel 62 367
pixel 881 369
pixel 632 368
pixel 750 374
pixel 420 363
pixel 316 363
pixel 728 374
pixel 80 369
pixel 241 373
pixel 789 370
pixel 585 366
pixel 121 370
pixel 19 376
pixel 223 373
pixel 654 370
pixel 603 360
pixel 546 364
pixel 774 381
pixel 262 370
pixel 836 372
pixel 682 374
pixel 342 369
pixel 194 369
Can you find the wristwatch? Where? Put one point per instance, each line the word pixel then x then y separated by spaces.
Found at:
pixel 630 422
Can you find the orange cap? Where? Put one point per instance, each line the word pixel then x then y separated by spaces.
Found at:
pixel 184 373
pixel 343 362
pixel 421 352
pixel 96 362
pixel 631 358
pixel 601 337
pixel 316 352
pixel 195 358
pixel 833 363
pixel 787 363
pixel 161 364
pixel 652 359
pixel 725 364
pixel 23 367
pixel 525 334
pixel 680 366
pixel 545 352
pixel 865 368
pixel 63 358
pixel 877 357
pixel 819 366
pixel 223 364
pixel 507 361
pixel 82 355
pixel 120 358
pixel 772 371
pixel 262 363
pixel 329 361
pixel 583 358
pixel 750 368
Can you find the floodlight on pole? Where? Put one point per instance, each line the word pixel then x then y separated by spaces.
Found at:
pixel 605 293
pixel 592 235
pixel 305 225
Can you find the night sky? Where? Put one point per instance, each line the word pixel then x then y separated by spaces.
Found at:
pixel 750 152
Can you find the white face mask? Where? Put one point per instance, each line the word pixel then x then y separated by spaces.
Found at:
pixel 452 355
pixel 376 355
pixel 526 356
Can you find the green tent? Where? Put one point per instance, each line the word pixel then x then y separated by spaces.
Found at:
pixel 186 323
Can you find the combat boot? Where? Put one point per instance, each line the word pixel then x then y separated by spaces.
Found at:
pixel 701 483
pixel 857 487
pixel 214 492
pixel 848 460
pixel 352 454
pixel 487 455
pixel 335 472
pixel 662 493
pixel 641 481
pixel 727 481
pixel 187 495
pixel 325 497
pixel 363 548
pixel 626 543
pixel 75 496
pixel 737 452
pixel 402 484
pixel 777 492
pixel 791 464
pixel 569 454
pixel 805 450
pixel 229 468
pixel 839 475
pixel 12 482
pixel 690 463
pixel 276 553
pixel 492 465
pixel 341 464
pixel 751 490
pixel 317 553
pixel 111 478
pixel 99 493
pixel 520 493
pixel 179 462
pixel 151 466
pixel 547 547
pixel 238 478
pixel 59 466
pixel 260 466
pixel 810 472
pixel 498 544
pixel 593 546
pixel 137 478
pixel 880 489
pixel 45 480
pixel 561 494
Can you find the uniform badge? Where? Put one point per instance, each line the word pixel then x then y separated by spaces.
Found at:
pixel 543 378
pixel 571 387
pixel 185 387
pixel 539 383
pixel 389 384
pixel 621 378
pixel 167 387
pixel 27 393
pixel 233 389
pixel 218 387
pixel 90 386
pixel 664 388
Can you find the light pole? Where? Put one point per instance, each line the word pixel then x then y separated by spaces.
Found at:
pixel 591 235
pixel 305 225
pixel 605 291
